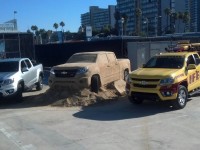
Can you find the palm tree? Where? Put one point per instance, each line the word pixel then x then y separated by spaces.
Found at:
pixel 138 13
pixel 125 22
pixel 117 16
pixel 180 17
pixel 34 28
pixel 168 13
pixel 55 25
pixel 186 18
pixel 62 24
pixel 28 31
pixel 174 18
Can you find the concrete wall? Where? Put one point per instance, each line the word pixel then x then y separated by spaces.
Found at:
pixel 140 52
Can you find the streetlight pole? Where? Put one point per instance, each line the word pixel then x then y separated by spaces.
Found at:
pixel 15 29
pixel 122 20
pixel 122 47
pixel 15 22
pixel 147 22
pixel 156 24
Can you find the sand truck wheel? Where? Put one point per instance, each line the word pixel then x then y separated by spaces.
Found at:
pixel 181 99
pixel 95 84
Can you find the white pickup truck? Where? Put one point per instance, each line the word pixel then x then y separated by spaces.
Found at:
pixel 18 75
pixel 89 70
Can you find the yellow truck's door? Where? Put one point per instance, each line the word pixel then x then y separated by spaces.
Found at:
pixel 193 73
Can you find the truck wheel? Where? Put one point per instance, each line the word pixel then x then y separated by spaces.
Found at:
pixel 181 99
pixel 135 100
pixel 126 74
pixel 95 84
pixel 19 97
pixel 39 84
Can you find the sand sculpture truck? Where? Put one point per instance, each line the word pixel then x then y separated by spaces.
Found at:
pixel 89 70
pixel 166 77
pixel 18 75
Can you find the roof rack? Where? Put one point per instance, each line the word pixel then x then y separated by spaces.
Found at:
pixel 184 46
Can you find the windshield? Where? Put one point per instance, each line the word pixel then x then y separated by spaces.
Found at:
pixel 173 62
pixel 9 66
pixel 89 58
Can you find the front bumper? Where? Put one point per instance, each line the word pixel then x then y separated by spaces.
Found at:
pixel 74 83
pixel 159 93
pixel 8 91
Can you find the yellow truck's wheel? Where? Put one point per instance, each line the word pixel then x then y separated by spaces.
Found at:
pixel 181 99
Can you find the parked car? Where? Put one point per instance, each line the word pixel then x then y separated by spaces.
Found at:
pixel 166 77
pixel 89 70
pixel 18 75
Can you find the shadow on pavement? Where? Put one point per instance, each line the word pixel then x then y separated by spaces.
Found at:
pixel 122 109
pixel 28 102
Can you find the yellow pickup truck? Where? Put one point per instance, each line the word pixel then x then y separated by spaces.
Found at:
pixel 166 77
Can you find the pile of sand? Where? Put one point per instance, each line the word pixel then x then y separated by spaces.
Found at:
pixel 63 96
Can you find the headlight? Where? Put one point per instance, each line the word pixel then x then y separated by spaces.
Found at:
pixel 82 70
pixel 166 81
pixel 8 81
pixel 52 71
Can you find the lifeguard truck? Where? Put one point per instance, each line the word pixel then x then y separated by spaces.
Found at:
pixel 171 76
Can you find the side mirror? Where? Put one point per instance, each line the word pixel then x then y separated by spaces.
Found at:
pixel 191 67
pixel 197 61
pixel 24 69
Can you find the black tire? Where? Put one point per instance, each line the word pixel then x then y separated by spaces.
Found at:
pixel 39 84
pixel 181 99
pixel 135 100
pixel 95 84
pixel 19 97
pixel 126 74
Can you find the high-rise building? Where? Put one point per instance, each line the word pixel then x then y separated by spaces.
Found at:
pixel 126 7
pixel 85 19
pixel 193 7
pixel 171 22
pixel 143 16
pixel 99 18
pixel 150 17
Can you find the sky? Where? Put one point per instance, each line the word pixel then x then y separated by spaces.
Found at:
pixel 44 13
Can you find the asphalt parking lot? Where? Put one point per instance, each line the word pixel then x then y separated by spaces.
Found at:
pixel 115 125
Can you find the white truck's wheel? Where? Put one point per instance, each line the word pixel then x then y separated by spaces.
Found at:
pixel 39 84
pixel 19 97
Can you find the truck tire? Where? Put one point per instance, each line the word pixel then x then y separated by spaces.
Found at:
pixel 126 74
pixel 39 84
pixel 181 99
pixel 19 97
pixel 95 84
pixel 135 100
